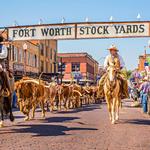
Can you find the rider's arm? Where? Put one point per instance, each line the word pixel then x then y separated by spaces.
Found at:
pixel 106 62
pixel 3 53
pixel 122 63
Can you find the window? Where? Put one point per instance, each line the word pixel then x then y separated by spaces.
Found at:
pixel 47 51
pixel 15 54
pixel 51 53
pixel 42 48
pixel 63 65
pixel 90 69
pixel 10 52
pixel 50 68
pixel 47 67
pixel 25 56
pixel 20 56
pixel 28 58
pixel 55 57
pixel 32 60
pixel 75 67
pixel 42 66
pixel 35 61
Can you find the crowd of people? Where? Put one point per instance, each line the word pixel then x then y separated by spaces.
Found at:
pixel 139 89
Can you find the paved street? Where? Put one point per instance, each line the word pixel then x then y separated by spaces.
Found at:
pixel 87 128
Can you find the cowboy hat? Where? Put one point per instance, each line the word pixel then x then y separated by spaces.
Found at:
pixel 145 78
pixel 113 47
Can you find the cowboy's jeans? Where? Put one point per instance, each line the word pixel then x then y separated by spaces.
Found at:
pixel 144 102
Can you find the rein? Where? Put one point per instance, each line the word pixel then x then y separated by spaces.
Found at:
pixel 111 85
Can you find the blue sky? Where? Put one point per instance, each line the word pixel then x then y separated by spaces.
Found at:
pixel 27 12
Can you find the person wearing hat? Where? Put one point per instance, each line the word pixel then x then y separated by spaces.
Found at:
pixel 3 71
pixel 3 52
pixel 145 90
pixel 114 59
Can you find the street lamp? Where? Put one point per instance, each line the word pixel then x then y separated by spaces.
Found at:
pixel 61 63
pixel 39 57
pixel 25 56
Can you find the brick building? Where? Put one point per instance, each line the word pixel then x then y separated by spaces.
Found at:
pixel 142 60
pixel 33 58
pixel 80 63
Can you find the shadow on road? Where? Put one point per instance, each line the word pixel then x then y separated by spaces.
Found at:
pixel 60 119
pixel 83 108
pixel 47 130
pixel 138 121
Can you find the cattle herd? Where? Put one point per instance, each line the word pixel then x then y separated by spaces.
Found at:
pixel 33 93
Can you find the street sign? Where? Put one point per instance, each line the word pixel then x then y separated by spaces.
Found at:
pixel 146 64
pixel 80 31
pixel 18 67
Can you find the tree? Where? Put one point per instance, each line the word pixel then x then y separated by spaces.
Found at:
pixel 127 73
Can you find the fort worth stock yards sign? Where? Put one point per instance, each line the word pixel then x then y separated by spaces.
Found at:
pixel 80 31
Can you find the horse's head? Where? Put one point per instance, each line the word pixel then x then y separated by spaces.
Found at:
pixel 112 71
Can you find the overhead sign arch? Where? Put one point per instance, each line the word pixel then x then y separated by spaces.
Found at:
pixel 86 30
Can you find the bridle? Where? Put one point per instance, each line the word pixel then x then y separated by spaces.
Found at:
pixel 111 84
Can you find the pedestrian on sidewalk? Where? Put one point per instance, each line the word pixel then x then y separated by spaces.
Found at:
pixel 144 89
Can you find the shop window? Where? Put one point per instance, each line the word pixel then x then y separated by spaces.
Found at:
pixel 75 67
pixel 61 66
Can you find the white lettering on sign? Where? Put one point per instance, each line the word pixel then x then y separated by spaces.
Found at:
pixel 80 31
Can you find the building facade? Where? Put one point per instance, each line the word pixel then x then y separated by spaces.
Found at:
pixel 31 57
pixel 144 62
pixel 78 64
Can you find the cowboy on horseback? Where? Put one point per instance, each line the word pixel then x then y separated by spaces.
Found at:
pixel 3 71
pixel 114 59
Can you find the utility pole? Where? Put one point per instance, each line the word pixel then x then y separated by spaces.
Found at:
pixel 61 68
pixel 39 53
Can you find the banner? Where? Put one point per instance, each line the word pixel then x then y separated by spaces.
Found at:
pixel 118 30
pixel 80 31
pixel 42 32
